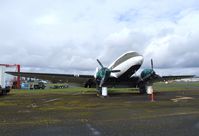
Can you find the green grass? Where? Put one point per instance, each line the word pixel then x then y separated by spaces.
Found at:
pixel 54 91
pixel 160 87
pixel 176 86
pixel 33 107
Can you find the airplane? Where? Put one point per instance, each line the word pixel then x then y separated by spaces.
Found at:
pixel 119 74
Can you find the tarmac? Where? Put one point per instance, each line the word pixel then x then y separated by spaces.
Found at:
pixel 119 114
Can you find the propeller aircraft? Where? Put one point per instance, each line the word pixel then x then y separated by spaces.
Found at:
pixel 119 74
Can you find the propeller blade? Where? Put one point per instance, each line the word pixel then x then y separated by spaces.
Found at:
pixel 115 71
pixel 151 63
pixel 96 71
pixel 100 63
pixel 101 82
pixel 106 73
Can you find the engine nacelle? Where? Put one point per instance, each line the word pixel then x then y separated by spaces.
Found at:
pixel 147 74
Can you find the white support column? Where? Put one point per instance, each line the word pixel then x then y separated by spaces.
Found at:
pixel 149 90
pixel 104 91
pixel 150 93
pixel 2 76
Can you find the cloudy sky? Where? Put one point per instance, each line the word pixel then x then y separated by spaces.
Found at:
pixel 68 35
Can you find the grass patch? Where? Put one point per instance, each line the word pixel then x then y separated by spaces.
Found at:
pixel 7 104
pixel 176 86
pixel 158 87
pixel 54 91
pixel 31 122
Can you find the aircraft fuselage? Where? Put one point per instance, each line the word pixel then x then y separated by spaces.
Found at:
pixel 127 63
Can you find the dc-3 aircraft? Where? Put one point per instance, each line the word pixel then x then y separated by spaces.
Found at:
pixel 119 74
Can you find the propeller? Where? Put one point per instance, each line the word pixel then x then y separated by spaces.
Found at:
pixel 104 73
pixel 151 63
pixel 102 82
pixel 148 74
pixel 154 73
pixel 100 63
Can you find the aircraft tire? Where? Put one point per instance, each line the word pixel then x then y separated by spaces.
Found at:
pixel 142 88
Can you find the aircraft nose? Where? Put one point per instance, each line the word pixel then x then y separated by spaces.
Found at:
pixel 140 59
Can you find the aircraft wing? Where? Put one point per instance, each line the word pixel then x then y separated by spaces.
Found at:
pixel 167 78
pixel 134 80
pixel 170 78
pixel 83 79
pixel 71 78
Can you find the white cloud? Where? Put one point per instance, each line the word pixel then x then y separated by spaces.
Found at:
pixel 70 35
pixel 179 47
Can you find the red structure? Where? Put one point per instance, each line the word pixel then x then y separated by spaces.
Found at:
pixel 18 70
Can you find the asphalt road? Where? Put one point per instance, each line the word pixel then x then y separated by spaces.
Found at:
pixel 172 113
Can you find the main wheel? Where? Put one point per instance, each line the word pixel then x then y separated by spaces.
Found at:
pixel 142 88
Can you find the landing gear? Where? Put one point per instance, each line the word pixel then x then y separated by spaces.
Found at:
pixel 99 90
pixel 142 88
pixel 102 91
pixel 145 88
